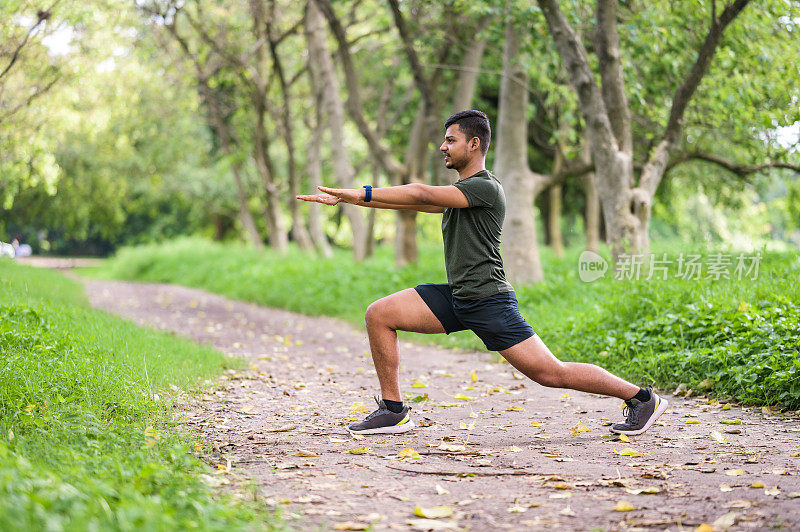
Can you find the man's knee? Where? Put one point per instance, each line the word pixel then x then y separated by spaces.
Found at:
pixel 553 377
pixel 376 313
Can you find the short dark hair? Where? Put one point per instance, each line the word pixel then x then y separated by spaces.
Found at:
pixel 474 124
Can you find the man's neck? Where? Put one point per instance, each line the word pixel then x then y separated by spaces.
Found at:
pixel 472 169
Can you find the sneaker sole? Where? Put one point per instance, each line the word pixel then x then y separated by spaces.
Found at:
pixel 395 429
pixel 656 414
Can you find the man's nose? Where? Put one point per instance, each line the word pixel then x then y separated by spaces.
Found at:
pixel 442 148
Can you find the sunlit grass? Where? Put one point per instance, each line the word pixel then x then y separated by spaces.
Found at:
pixel 87 439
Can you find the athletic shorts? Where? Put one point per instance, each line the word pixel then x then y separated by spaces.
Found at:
pixel 495 319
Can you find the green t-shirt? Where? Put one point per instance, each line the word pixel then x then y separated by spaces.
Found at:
pixel 472 239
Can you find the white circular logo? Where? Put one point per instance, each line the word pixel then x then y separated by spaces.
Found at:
pixel 591 266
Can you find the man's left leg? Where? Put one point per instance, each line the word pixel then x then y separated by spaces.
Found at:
pixel 534 359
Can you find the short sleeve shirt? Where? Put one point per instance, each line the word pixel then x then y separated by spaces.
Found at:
pixel 472 239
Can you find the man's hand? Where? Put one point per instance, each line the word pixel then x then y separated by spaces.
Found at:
pixel 325 199
pixel 347 195
pixel 332 196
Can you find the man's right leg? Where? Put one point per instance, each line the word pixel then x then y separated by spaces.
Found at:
pixel 401 311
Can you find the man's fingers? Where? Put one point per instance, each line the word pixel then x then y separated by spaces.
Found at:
pixel 332 191
pixel 319 198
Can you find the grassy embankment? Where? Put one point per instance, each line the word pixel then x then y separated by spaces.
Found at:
pixel 87 440
pixel 727 337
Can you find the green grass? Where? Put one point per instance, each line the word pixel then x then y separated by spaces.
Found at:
pixel 728 337
pixel 87 437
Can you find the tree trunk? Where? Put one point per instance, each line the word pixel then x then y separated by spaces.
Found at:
pixel 323 77
pixel 592 207
pixel 462 99
pixel 554 220
pixel 273 216
pixel 406 251
pixel 468 76
pixel 314 162
pixel 245 216
pixel 224 134
pixel 626 210
pixel 520 248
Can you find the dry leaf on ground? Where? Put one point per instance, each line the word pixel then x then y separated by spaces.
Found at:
pixel 434 512
pixel 359 450
pixel 624 506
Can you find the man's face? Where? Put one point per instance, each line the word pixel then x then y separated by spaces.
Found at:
pixel 457 149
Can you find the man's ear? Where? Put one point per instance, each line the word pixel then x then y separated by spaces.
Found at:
pixel 475 143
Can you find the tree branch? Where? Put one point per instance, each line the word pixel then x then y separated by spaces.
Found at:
pixel 354 106
pixel 576 62
pixel 656 165
pixel 683 94
pixel 416 68
pixel 42 16
pixel 740 170
pixel 613 82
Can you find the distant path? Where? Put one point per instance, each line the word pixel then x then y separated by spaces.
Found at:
pixel 58 263
pixel 307 373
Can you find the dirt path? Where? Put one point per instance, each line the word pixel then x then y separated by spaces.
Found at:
pixel 516 456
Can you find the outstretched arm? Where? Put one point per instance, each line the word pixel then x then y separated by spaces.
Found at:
pixel 328 199
pixel 411 196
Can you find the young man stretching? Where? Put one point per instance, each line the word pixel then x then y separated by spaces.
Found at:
pixel 477 295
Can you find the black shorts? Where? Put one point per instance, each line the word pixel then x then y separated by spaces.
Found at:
pixel 495 319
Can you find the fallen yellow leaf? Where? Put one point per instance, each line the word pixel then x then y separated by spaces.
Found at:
pixel 627 451
pixel 434 512
pixel 451 448
pixel 462 397
pixel 464 426
pixel 359 450
pixel 773 491
pixel 735 421
pixel 757 484
pixel 734 472
pixel 309 454
pixel 408 452
pixel 515 449
pixel 564 396
pixel 535 423
pixel 418 384
pixel 623 437
pixel 515 409
pixel 705 527
pixel 473 376
pixel 624 506
pixel 725 488
pixel 577 429
pixel 440 490
pixel 691 421
pixel 651 490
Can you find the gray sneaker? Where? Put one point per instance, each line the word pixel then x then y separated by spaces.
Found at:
pixel 384 421
pixel 641 416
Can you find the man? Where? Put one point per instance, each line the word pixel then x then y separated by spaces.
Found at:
pixel 477 295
